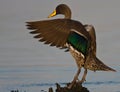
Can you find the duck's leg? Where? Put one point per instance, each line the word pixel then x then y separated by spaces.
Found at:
pixel 75 78
pixel 84 76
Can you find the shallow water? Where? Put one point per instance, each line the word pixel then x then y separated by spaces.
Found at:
pixel 38 78
pixel 27 65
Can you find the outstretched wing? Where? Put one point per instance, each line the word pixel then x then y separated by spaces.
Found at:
pixel 91 32
pixel 55 32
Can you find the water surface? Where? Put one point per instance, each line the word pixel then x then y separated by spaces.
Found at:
pixel 27 65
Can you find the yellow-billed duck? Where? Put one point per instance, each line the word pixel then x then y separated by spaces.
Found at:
pixel 79 39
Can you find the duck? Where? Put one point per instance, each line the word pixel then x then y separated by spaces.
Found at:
pixel 66 33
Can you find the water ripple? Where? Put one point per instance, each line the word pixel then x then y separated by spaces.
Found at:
pixel 86 83
pixel 40 84
pixel 99 83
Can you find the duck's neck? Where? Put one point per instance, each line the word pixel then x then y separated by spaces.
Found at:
pixel 67 14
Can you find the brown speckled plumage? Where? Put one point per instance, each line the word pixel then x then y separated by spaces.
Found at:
pixel 55 32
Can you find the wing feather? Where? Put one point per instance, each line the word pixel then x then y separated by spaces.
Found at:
pixel 55 32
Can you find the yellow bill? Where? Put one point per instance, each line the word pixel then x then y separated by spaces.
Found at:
pixel 52 14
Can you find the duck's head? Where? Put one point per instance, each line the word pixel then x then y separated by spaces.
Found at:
pixel 61 9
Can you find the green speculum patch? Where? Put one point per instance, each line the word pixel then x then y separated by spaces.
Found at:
pixel 78 42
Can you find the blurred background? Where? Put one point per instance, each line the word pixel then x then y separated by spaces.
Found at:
pixel 27 64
